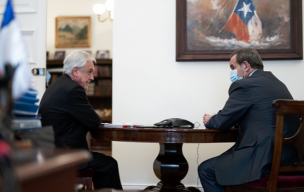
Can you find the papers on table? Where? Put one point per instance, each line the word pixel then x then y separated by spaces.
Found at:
pixel 107 125
pixel 19 124
pixel 17 112
pixel 25 112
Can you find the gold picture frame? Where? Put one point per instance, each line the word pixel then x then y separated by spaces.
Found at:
pixel 73 32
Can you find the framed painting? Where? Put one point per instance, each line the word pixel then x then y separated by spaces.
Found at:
pixel 73 32
pixel 210 30
pixel 103 54
pixel 59 55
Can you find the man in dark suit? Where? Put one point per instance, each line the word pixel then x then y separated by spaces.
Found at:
pixel 250 106
pixel 65 106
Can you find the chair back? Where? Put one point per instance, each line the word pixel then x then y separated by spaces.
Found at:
pixel 285 107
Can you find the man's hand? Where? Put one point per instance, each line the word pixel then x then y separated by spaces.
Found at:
pixel 207 117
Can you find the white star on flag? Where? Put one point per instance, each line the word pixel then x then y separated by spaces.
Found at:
pixel 246 9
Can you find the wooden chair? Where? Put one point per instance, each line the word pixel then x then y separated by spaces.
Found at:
pixel 274 181
pixel 85 178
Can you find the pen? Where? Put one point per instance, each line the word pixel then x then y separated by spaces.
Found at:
pixel 130 126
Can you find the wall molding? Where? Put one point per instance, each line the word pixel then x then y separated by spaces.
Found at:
pixel 30 36
pixel 21 6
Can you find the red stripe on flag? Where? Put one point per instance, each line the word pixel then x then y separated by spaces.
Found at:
pixel 238 28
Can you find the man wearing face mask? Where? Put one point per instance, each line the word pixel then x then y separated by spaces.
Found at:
pixel 249 105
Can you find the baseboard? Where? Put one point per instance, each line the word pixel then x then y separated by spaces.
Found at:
pixel 142 187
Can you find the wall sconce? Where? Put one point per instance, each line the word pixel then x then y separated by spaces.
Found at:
pixel 99 9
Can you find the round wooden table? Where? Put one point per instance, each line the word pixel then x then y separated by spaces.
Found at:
pixel 170 166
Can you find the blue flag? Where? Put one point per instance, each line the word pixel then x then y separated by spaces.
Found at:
pixel 13 52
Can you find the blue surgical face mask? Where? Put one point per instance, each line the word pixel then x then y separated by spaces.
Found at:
pixel 233 76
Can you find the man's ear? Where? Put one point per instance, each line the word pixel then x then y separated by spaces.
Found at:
pixel 248 67
pixel 75 71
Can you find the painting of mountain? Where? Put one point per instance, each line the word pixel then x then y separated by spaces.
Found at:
pixel 73 31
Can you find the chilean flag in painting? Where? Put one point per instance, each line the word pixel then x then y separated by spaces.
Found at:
pixel 244 22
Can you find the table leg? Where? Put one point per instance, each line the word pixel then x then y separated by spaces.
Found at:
pixel 170 167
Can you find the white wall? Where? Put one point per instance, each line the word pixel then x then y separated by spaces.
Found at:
pixel 101 33
pixel 149 85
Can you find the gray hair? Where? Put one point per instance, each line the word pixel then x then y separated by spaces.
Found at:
pixel 249 55
pixel 77 58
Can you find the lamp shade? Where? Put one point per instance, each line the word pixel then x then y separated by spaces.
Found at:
pixel 98 9
pixel 112 14
pixel 109 5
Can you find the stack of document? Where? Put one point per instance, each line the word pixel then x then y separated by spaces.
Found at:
pixel 24 124
pixel 25 112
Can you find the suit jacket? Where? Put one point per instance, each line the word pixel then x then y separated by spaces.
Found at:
pixel 250 105
pixel 65 106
